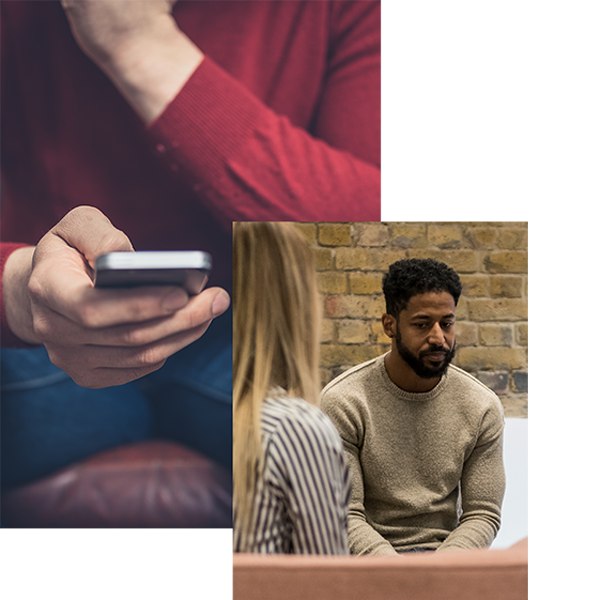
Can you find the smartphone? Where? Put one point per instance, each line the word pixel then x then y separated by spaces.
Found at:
pixel 188 269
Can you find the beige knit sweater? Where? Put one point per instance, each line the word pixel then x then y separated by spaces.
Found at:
pixel 414 457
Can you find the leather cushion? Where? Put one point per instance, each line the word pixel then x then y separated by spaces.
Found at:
pixel 148 484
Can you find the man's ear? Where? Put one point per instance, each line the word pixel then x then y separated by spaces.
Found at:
pixel 389 325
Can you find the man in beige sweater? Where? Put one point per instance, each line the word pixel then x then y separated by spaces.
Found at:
pixel 422 437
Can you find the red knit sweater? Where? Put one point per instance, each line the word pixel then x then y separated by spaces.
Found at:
pixel 281 121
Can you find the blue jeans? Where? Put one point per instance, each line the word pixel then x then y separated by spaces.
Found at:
pixel 48 422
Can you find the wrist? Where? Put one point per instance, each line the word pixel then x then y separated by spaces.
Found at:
pixel 126 51
pixel 150 68
pixel 17 304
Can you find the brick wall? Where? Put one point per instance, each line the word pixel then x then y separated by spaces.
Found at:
pixel 491 329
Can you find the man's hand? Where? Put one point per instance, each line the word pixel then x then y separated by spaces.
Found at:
pixel 138 44
pixel 100 337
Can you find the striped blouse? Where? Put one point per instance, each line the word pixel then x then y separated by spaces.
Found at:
pixel 302 497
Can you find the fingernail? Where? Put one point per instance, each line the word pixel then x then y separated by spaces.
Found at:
pixel 220 304
pixel 174 301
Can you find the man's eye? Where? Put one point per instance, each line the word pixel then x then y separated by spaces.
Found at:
pixel 448 325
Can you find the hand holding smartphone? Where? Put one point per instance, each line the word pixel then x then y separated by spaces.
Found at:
pixel 117 336
pixel 188 269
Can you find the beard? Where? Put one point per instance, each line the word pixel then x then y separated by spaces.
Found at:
pixel 417 364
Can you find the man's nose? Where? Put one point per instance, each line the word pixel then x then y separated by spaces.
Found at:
pixel 436 335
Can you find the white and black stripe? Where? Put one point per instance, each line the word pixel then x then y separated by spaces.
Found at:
pixel 302 497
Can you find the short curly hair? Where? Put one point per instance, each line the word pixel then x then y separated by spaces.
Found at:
pixel 409 277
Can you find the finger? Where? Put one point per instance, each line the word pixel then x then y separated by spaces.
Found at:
pixel 91 309
pixel 102 377
pixel 96 308
pixel 68 290
pixel 99 309
pixel 86 364
pixel 88 230
pixel 69 250
pixel 141 357
pixel 200 309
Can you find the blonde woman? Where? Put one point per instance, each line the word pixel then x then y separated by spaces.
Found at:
pixel 291 483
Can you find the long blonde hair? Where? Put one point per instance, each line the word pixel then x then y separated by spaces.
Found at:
pixel 276 326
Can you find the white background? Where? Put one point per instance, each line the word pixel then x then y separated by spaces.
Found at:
pixel 491 112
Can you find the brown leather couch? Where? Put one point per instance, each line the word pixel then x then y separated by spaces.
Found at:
pixel 460 575
pixel 150 484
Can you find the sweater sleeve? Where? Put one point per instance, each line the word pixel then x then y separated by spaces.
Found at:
pixel 245 162
pixel 307 465
pixel 482 488
pixel 7 338
pixel 362 536
pixel 4 64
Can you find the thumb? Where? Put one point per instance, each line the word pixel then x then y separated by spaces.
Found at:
pixel 89 231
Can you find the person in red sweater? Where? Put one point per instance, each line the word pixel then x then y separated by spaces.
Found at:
pixel 168 120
